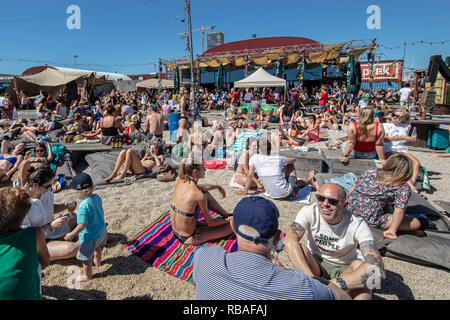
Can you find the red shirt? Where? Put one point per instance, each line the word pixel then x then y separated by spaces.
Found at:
pixel 323 98
pixel 235 96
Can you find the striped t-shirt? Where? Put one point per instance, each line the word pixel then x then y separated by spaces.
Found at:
pixel 243 275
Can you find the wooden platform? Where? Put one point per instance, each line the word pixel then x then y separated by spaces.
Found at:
pixel 305 161
pixel 422 127
pixel 326 161
pixel 333 165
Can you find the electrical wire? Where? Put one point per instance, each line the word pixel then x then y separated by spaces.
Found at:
pixel 84 13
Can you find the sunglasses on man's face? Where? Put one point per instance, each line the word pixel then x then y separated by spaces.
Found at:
pixel 395 115
pixel 331 201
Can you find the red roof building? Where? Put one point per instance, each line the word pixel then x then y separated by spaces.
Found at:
pixel 260 46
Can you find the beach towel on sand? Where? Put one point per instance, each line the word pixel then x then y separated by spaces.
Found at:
pixel 157 245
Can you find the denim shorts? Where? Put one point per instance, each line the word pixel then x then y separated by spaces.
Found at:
pixel 86 250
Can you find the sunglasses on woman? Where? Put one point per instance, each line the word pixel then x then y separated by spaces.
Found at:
pixel 40 150
pixel 395 115
pixel 331 201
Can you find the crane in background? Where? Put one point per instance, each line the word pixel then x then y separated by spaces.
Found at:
pixel 202 29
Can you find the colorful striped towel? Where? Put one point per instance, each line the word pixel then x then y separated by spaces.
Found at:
pixel 157 245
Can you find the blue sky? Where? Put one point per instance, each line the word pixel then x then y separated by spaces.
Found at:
pixel 142 31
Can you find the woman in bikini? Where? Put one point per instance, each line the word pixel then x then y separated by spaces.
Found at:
pixel 134 164
pixel 9 162
pixel 189 198
pixel 241 166
pixel 365 138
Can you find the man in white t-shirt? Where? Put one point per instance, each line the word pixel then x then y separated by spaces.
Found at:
pixel 333 236
pixel 405 94
pixel 277 174
pixel 363 103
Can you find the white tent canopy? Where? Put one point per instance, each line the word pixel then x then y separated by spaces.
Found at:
pixel 108 75
pixel 260 78
pixel 154 83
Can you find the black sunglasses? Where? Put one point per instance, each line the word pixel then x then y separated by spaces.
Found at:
pixel 331 201
pixel 395 115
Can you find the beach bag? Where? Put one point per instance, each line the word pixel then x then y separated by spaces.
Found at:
pixel 166 174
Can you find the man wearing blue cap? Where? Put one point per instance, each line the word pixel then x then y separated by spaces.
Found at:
pixel 252 273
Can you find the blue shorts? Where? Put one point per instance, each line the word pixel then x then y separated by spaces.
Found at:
pixel 86 250
pixel 322 107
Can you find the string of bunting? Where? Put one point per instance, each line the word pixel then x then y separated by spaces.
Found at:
pixel 414 43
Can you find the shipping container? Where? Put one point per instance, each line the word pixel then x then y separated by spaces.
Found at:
pixel 377 85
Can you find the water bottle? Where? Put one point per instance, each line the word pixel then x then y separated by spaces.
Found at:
pixel 414 133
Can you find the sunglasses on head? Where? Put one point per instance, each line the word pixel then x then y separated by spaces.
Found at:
pixel 331 201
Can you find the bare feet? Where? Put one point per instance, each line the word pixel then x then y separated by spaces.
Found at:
pixel 83 278
pixel 109 178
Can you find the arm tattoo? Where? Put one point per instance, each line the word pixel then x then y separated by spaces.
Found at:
pixel 372 256
pixel 297 227
pixel 370 245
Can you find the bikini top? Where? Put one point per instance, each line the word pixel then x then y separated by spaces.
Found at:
pixel 11 160
pixel 181 212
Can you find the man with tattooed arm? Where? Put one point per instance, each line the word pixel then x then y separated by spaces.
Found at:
pixel 332 240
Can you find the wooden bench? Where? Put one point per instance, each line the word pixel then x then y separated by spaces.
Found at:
pixel 305 161
pixel 334 165
pixel 422 127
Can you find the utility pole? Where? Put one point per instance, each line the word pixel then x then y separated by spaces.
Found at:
pixel 75 58
pixel 404 52
pixel 191 53
pixel 159 75
pixel 202 29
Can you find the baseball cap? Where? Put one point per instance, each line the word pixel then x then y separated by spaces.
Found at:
pixel 259 213
pixel 82 181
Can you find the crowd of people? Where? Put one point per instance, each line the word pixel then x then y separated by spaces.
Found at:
pixel 327 267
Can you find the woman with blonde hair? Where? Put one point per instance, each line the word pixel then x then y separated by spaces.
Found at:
pixel 377 191
pixel 365 138
pixel 189 199
pixel 396 135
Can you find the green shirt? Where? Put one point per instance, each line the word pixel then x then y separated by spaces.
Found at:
pixel 19 262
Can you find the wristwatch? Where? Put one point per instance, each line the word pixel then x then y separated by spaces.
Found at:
pixel 341 282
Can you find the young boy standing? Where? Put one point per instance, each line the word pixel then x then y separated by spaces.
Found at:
pixel 91 229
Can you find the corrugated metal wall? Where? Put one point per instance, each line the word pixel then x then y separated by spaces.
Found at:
pixel 395 86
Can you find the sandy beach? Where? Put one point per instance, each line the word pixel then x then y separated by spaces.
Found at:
pixel 131 208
